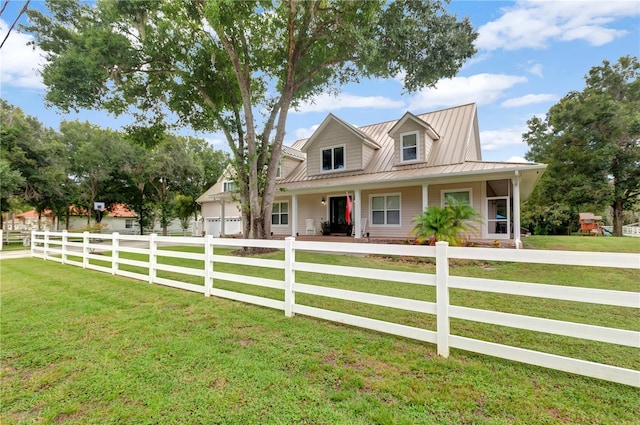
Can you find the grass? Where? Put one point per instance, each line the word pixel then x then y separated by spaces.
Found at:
pixel 583 243
pixel 14 246
pixel 86 347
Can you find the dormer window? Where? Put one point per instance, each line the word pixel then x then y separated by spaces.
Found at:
pixel 333 158
pixel 229 186
pixel 409 147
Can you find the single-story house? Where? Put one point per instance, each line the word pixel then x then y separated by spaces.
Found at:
pixel 391 172
pixel 28 221
pixel 119 218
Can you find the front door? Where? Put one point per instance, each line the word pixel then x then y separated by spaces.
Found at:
pixel 498 218
pixel 337 210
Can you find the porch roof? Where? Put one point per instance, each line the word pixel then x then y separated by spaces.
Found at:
pixel 421 173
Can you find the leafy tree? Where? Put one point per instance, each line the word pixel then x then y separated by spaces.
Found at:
pixel 10 183
pixel 183 207
pixel 450 223
pixel 591 142
pixel 35 153
pixel 239 66
pixel 95 156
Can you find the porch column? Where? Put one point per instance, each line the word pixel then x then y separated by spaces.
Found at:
pixel 222 218
pixel 516 210
pixel 294 215
pixel 425 196
pixel 358 213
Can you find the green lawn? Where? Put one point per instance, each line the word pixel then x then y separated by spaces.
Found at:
pixel 86 347
pixel 583 243
pixel 15 246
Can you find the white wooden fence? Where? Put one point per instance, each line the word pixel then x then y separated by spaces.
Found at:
pixel 61 246
pixel 629 230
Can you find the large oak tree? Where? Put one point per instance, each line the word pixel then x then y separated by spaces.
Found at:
pixel 239 66
pixel 591 141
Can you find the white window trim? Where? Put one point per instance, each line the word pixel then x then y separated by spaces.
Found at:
pixel 280 214
pixel 279 170
pixel 344 158
pixel 227 183
pixel 378 195
pixel 443 191
pixel 418 150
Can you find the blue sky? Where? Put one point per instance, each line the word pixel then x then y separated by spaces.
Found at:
pixel 530 54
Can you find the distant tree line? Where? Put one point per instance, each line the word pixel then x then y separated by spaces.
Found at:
pixel 66 171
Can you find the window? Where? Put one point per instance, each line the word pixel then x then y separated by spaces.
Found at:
pixel 229 186
pixel 279 171
pixel 463 196
pixel 409 149
pixel 385 210
pixel 333 158
pixel 128 223
pixel 280 214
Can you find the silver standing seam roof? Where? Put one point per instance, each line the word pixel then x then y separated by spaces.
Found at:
pixel 448 161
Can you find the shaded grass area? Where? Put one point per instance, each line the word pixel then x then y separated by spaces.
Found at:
pixel 86 347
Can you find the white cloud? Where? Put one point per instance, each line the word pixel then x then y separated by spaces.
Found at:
pixel 517 159
pixel 19 63
pixel 533 24
pixel 303 133
pixel 479 88
pixel 494 140
pixel 596 36
pixel 535 69
pixel 327 102
pixel 529 99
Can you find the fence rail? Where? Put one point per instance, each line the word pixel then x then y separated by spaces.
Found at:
pixel 629 230
pixel 67 248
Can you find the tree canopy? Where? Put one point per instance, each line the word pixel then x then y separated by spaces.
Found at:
pixel 591 142
pixel 83 163
pixel 239 66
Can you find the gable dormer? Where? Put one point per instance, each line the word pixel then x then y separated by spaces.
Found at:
pixel 289 160
pixel 413 140
pixel 337 146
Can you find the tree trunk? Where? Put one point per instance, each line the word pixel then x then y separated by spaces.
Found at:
pixel 617 217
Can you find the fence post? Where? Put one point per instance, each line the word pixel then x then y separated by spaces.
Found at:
pixel 289 275
pixel 45 255
pixel 442 298
pixel 208 265
pixel 33 244
pixel 115 252
pixel 2 240
pixel 85 249
pixel 65 238
pixel 153 256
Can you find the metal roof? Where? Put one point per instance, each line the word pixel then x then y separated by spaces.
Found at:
pixel 455 155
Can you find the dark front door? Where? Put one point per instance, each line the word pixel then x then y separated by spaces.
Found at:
pixel 337 210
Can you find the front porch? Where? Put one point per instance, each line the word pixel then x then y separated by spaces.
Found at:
pixel 488 243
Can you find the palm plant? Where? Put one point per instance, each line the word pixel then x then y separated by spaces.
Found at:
pixel 450 223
